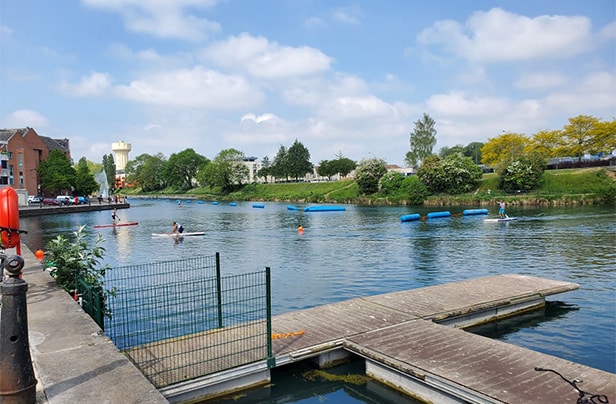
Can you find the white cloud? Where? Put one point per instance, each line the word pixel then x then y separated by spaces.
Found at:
pixel 498 35
pixel 262 58
pixel 25 118
pixel 197 87
pixel 347 15
pixel 608 32
pixel 93 85
pixel 162 18
pixel 541 80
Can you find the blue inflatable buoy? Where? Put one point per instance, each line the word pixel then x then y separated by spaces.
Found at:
pixel 468 212
pixel 410 218
pixel 258 205
pixel 433 215
pixel 233 204
pixel 215 203
pixel 324 208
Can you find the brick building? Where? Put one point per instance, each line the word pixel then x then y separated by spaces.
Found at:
pixel 21 151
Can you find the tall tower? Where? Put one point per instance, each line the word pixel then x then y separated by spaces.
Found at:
pixel 121 150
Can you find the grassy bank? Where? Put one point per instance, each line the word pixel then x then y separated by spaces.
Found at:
pixel 558 187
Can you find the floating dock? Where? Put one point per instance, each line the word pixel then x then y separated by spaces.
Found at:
pixel 412 340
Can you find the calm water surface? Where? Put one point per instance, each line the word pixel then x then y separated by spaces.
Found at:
pixel 367 250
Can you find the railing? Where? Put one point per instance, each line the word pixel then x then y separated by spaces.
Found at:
pixel 179 320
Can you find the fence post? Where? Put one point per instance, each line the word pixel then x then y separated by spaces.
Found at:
pixel 271 361
pixel 17 381
pixel 218 290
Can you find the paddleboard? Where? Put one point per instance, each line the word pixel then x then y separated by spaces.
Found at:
pixel 499 220
pixel 98 226
pixel 194 233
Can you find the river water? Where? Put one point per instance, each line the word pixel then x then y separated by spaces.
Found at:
pixel 366 251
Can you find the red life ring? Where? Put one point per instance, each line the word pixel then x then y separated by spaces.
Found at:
pixel 9 217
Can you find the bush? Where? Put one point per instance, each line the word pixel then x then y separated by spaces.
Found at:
pixel 69 259
pixel 414 190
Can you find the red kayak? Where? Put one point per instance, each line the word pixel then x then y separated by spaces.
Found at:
pixel 98 226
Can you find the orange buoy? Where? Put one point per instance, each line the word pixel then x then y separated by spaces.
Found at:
pixel 39 254
pixel 300 229
pixel 9 218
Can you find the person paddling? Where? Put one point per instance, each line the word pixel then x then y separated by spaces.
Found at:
pixel 177 228
pixel 501 209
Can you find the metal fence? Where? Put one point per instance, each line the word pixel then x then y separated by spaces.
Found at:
pixel 179 320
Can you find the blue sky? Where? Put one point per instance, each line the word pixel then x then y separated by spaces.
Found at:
pixel 346 77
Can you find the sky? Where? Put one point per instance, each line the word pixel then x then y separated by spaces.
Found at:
pixel 344 78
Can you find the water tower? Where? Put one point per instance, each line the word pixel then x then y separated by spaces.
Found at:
pixel 121 150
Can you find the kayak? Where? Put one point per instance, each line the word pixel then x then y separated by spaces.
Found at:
pixel 98 226
pixel 499 220
pixel 195 233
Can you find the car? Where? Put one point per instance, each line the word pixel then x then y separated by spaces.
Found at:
pixel 65 199
pixel 51 201
pixel 83 200
pixel 35 199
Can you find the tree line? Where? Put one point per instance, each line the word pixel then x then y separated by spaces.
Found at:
pixel 519 161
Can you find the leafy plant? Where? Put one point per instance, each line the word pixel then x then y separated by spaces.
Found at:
pixel 70 259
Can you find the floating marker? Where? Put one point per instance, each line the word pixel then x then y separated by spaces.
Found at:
pixel 433 215
pixel 258 205
pixel 324 208
pixel 410 218
pixel 468 212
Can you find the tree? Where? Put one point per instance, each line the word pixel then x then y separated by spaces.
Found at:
pixel 226 170
pixel 503 149
pixel 326 169
pixel 56 173
pixel 85 183
pixel 423 139
pixel 280 166
pixel 522 174
pixel 473 150
pixel 110 169
pixel 368 174
pixel 581 136
pixel 182 168
pixel 455 174
pixel 414 190
pixel 390 183
pixel 147 172
pixel 546 143
pixel 298 158
pixel 343 165
pixel 446 151
pixel 265 169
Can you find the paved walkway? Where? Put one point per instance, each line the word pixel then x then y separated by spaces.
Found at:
pixel 73 361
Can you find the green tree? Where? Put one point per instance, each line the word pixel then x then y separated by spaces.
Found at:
pixel 85 183
pixel 265 169
pixel 390 183
pixel 298 158
pixel 473 150
pixel 455 174
pixel 226 171
pixel 523 174
pixel 182 168
pixel 446 151
pixel 280 167
pixel 110 169
pixel 56 173
pixel 368 174
pixel 326 169
pixel 147 172
pixel 343 165
pixel 414 190
pixel 422 140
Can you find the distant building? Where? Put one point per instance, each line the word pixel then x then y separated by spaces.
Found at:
pixel 21 152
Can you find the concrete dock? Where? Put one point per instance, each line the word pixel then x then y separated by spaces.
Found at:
pixel 411 340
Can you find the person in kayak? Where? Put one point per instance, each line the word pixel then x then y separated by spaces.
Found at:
pixel 177 228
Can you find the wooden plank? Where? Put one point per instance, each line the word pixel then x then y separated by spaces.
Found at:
pixel 502 371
